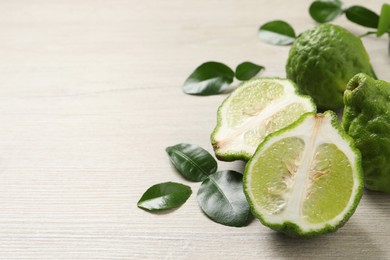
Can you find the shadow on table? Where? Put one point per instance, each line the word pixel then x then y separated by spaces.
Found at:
pixel 379 201
pixel 353 243
pixel 161 212
pixel 240 166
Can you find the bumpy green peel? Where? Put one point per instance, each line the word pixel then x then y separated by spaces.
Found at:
pixel 323 59
pixel 367 119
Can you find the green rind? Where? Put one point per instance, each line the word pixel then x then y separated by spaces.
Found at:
pixel 292 229
pixel 323 59
pixel 242 155
pixel 367 119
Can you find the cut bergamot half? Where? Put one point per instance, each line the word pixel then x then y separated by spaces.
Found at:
pixel 306 179
pixel 254 110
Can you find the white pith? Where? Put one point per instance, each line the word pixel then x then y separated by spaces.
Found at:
pixel 231 139
pixel 314 131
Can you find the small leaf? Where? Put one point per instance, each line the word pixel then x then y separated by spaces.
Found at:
pixel 362 16
pixel 323 11
pixel 277 33
pixel 166 195
pixel 247 70
pixel 192 161
pixel 384 20
pixel 222 199
pixel 210 78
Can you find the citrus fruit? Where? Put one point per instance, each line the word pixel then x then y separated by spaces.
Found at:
pixel 323 59
pixel 306 179
pixel 366 118
pixel 255 109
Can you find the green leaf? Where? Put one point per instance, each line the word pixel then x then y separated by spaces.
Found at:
pixel 222 199
pixel 323 11
pixel 277 33
pixel 166 195
pixel 192 161
pixel 384 20
pixel 362 16
pixel 247 70
pixel 210 78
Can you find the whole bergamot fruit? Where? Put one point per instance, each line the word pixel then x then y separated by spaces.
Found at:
pixel 366 118
pixel 323 59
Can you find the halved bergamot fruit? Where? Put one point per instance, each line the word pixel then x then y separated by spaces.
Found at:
pixel 306 179
pixel 255 109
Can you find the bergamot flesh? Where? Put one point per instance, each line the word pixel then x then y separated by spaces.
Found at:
pixel 254 110
pixel 305 180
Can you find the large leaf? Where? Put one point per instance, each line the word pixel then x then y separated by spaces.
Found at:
pixel 362 16
pixel 384 20
pixel 247 70
pixel 210 78
pixel 277 33
pixel 222 199
pixel 324 11
pixel 166 195
pixel 192 161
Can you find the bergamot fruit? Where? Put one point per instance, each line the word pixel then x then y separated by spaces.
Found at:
pixel 323 59
pixel 255 109
pixel 306 179
pixel 366 118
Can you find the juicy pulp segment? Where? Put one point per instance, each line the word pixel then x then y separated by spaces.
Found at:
pixel 252 101
pixel 275 122
pixel 257 108
pixel 278 166
pixel 331 178
pixel 307 175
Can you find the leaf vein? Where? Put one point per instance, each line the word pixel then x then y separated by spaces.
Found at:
pixel 183 155
pixel 216 185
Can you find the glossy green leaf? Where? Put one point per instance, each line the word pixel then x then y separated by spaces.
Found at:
pixel 222 199
pixel 210 78
pixel 192 161
pixel 362 16
pixel 384 20
pixel 277 33
pixel 166 195
pixel 323 11
pixel 247 70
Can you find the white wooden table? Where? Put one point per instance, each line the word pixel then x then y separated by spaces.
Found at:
pixel 90 96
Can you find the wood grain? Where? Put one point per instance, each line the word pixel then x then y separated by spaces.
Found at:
pixel 91 96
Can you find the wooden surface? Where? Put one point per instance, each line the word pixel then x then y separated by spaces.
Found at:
pixel 90 96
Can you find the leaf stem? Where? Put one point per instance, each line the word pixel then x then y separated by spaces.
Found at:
pixel 367 33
